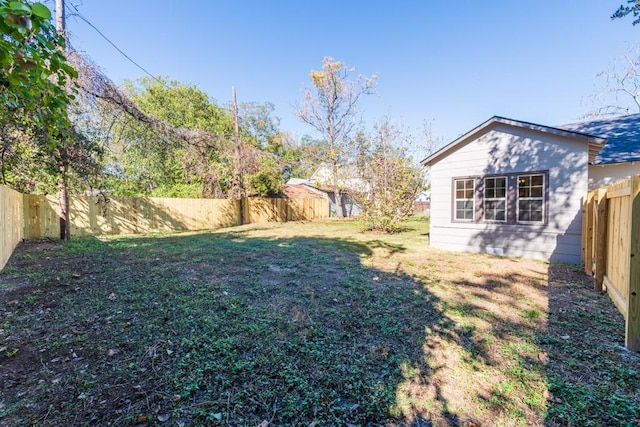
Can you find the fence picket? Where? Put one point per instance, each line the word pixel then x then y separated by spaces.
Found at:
pixel 611 249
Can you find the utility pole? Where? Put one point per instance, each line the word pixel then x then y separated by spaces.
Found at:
pixel 238 178
pixel 63 190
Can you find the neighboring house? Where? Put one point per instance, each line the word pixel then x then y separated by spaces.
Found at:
pixel 348 178
pixel 302 188
pixel 297 188
pixel 422 203
pixel 515 188
pixel 424 196
pixel 322 182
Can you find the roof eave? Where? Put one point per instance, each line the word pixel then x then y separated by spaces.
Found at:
pixel 429 161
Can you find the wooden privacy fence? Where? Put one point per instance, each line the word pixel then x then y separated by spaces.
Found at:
pixel 35 217
pixel 611 249
pixel 11 222
pixel 124 215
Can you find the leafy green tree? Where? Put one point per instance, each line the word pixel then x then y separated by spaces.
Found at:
pixel 258 126
pixel 331 107
pixel 632 7
pixel 267 181
pixel 144 160
pixel 391 180
pixel 310 154
pixel 34 77
pixel 37 89
pixel 33 69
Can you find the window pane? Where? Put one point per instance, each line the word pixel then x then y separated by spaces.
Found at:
pixel 489 193
pixel 494 210
pixel 536 192
pixel 524 191
pixel 536 215
pixel 530 210
pixel 536 180
pixel 468 194
pixel 501 193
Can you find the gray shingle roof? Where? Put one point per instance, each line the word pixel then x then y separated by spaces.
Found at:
pixel 622 133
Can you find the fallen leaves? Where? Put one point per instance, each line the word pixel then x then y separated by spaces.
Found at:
pixel 551 398
pixel 543 357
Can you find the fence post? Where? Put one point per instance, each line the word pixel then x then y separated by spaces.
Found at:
pixel 632 335
pixel 588 240
pixel 601 238
pixel 583 252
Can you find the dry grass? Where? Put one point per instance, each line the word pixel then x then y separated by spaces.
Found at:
pixel 304 324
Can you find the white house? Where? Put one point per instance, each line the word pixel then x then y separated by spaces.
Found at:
pixel 515 188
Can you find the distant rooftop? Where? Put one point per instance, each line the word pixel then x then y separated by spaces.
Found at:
pixel 622 133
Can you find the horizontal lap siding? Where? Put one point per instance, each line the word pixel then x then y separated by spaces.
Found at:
pixel 505 149
pixel 602 175
pixel 538 245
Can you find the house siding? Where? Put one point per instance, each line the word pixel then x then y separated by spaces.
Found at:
pixel 505 149
pixel 607 174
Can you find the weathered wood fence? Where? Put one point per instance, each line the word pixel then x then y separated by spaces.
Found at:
pixel 611 249
pixel 36 217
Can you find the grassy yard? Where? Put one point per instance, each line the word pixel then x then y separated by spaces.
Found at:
pixel 310 324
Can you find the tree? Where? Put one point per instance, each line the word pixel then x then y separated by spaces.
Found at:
pixel 33 68
pixel 144 159
pixel 307 156
pixel 331 107
pixel 156 160
pixel 632 7
pixel 34 74
pixel 620 91
pixel 37 88
pixel 391 179
pixel 258 126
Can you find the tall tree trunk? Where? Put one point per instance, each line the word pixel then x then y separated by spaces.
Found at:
pixel 336 189
pixel 63 197
pixel 339 210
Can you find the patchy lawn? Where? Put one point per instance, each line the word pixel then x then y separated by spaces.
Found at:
pixel 309 324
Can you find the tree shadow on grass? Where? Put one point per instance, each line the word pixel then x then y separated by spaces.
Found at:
pixel 592 378
pixel 229 329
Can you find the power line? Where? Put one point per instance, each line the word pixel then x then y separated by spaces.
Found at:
pixel 112 43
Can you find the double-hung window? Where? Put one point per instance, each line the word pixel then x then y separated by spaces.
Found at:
pixel 531 198
pixel 464 199
pixel 509 198
pixel 495 199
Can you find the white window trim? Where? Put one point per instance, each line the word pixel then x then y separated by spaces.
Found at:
pixel 542 199
pixel 504 199
pixel 455 200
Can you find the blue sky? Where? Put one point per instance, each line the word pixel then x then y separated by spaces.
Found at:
pixel 453 64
